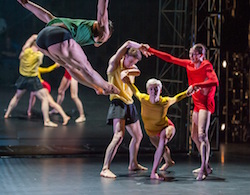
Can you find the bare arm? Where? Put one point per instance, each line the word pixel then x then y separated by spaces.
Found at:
pixel 102 19
pixel 115 59
pixel 37 10
pixel 28 44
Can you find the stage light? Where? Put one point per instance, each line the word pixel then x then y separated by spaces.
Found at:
pixel 223 127
pixel 224 64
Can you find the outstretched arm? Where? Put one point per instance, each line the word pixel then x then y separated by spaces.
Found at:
pixel 166 56
pixel 37 10
pixel 48 69
pixel 177 98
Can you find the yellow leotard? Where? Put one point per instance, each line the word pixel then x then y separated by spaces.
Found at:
pixel 154 116
pixel 126 93
pixel 30 60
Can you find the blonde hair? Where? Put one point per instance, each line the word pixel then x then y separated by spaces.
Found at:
pixel 153 81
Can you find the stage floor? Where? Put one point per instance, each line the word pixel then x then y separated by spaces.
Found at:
pixel 80 175
pixel 68 159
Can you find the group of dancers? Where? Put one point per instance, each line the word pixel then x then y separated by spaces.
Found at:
pixel 62 39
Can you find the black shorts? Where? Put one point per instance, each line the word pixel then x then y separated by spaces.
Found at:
pixel 51 35
pixel 118 109
pixel 28 83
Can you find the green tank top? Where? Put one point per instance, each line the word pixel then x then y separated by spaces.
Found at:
pixel 81 30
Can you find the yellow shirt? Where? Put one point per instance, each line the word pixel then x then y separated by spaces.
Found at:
pixel 29 62
pixel 126 93
pixel 42 70
pixel 154 116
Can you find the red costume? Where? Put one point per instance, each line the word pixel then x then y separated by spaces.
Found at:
pixel 67 75
pixel 203 77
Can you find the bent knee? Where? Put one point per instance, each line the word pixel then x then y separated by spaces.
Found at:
pixel 168 133
pixel 202 137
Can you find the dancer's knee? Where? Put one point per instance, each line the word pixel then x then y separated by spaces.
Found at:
pixel 118 137
pixel 202 137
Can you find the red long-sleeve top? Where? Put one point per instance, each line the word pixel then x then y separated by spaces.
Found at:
pixel 203 77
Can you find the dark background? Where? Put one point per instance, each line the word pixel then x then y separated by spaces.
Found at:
pixel 133 20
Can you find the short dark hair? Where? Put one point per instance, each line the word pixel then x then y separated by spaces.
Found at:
pixel 200 48
pixel 134 53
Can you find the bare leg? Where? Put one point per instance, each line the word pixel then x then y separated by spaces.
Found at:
pixel 56 106
pixel 168 160
pixel 72 54
pixel 203 126
pixel 75 98
pixel 158 155
pixel 194 130
pixel 14 101
pixel 135 131
pixel 42 95
pixel 64 85
pixel 32 102
pixel 166 155
pixel 119 130
pixel 165 136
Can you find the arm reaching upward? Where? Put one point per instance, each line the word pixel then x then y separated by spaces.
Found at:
pixel 28 44
pixel 115 59
pixel 37 10
pixel 103 20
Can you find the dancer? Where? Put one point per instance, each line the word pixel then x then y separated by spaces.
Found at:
pixel 200 74
pixel 30 59
pixel 158 126
pixel 46 85
pixel 62 38
pixel 122 111
pixel 67 81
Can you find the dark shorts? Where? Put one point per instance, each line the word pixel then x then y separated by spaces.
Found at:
pixel 28 83
pixel 51 35
pixel 118 109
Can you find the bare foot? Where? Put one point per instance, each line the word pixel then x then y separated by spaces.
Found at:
pixel 201 176
pixel 6 116
pixel 66 120
pixel 196 170
pixel 209 170
pixel 107 173
pixel 156 176
pixel 53 111
pixel 29 113
pixel 167 165
pixel 50 124
pixel 80 119
pixel 137 167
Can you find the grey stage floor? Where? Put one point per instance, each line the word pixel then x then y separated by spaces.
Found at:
pixel 80 175
pixel 37 160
